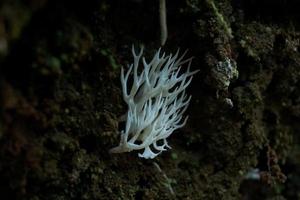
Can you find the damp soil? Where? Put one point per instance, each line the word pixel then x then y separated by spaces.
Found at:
pixel 61 100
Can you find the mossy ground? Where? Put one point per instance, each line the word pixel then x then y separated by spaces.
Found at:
pixel 61 100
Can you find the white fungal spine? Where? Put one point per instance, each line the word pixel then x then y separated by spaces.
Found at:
pixel 156 102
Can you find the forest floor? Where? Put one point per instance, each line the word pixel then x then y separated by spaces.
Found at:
pixel 61 100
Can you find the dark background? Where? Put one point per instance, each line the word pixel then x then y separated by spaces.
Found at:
pixel 61 100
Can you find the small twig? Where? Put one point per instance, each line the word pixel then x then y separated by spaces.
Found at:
pixel 168 182
pixel 163 22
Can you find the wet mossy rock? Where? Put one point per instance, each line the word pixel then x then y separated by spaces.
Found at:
pixel 61 100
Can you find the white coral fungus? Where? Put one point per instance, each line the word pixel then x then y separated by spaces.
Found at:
pixel 156 102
